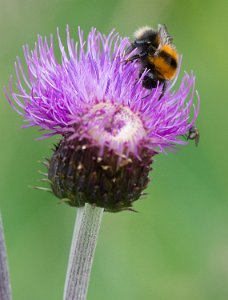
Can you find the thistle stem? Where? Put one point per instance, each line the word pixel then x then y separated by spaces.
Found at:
pixel 82 251
pixel 5 288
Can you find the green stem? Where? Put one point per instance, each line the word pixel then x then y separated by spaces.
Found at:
pixel 5 288
pixel 82 251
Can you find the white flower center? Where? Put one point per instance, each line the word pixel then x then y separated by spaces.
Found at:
pixel 116 126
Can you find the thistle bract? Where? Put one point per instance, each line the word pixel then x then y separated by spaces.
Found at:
pixel 111 127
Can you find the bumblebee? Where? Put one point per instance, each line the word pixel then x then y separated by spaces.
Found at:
pixel 157 54
pixel 193 134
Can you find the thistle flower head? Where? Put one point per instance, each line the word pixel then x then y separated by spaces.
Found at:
pixel 110 125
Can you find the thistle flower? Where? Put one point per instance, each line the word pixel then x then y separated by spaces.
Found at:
pixel 110 126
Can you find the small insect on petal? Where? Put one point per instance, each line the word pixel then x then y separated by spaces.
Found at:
pixel 193 134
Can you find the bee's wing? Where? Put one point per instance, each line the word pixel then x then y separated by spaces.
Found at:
pixel 165 38
pixel 197 139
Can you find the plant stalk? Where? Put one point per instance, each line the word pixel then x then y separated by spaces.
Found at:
pixel 86 229
pixel 5 288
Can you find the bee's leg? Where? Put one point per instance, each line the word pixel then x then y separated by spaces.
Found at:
pixel 132 58
pixel 130 48
pixel 147 95
pixel 185 136
pixel 136 56
pixel 164 87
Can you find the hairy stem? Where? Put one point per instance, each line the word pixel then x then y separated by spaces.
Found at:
pixel 82 251
pixel 5 288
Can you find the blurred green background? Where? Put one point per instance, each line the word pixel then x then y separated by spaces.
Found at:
pixel 177 246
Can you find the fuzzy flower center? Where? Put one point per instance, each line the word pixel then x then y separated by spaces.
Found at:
pixel 114 124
